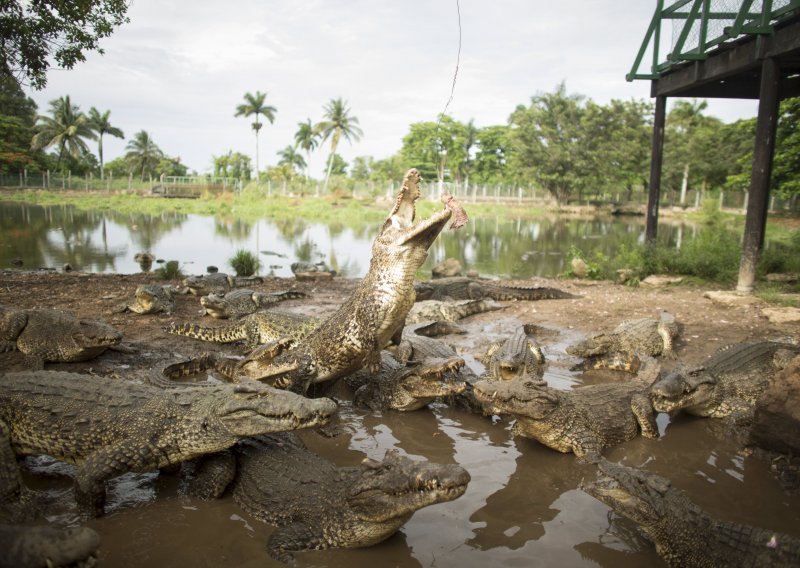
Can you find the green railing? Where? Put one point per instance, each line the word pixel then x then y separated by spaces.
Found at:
pixel 698 26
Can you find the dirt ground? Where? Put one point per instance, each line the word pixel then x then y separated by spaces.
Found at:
pixel 705 325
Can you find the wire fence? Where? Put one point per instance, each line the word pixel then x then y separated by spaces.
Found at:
pixel 196 186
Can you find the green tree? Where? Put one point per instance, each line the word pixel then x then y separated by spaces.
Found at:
pixel 290 156
pixel 66 129
pixel 681 146
pixel 255 105
pixel 616 140
pixel 431 148
pixel 337 123
pixel 307 139
pixel 17 121
pixel 232 164
pixel 101 124
pixel 338 166
pixel 549 147
pixel 786 164
pixel 390 169
pixel 491 158
pixel 143 155
pixel 35 32
pixel 362 168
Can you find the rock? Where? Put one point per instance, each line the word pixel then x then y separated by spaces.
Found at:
pixel 67 267
pixel 473 274
pixel 776 423
pixel 579 268
pixel 783 277
pixel 660 280
pixel 447 268
pixel 16 262
pixel 313 276
pixel 211 269
pixel 727 298
pixel 782 315
pixel 624 275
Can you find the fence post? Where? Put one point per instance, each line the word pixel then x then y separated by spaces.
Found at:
pixel 69 179
pixel 130 181
pixel 721 199
pixel 108 181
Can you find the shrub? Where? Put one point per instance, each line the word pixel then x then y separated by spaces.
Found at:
pixel 170 271
pixel 244 263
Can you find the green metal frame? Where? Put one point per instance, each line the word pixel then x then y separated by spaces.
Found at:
pixel 745 21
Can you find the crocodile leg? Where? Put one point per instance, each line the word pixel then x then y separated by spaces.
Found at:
pixel 90 492
pixel 645 416
pixel 212 475
pixel 297 536
pixel 11 487
pixel 666 336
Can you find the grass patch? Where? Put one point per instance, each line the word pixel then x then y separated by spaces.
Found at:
pixel 244 263
pixel 170 271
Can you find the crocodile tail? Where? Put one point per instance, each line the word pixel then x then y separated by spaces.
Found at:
pixel 472 307
pixel 289 295
pixel 224 366
pixel 220 334
pixel 530 293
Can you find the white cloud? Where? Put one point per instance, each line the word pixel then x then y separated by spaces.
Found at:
pixel 180 67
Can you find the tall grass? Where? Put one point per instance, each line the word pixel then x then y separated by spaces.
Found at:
pixel 244 263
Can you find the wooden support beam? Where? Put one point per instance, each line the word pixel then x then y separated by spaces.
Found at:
pixel 758 201
pixel 656 158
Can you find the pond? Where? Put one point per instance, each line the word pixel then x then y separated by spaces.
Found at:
pixel 106 241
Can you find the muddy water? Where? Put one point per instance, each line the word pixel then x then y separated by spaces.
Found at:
pixel 523 506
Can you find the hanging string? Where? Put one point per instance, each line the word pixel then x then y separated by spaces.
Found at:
pixel 455 74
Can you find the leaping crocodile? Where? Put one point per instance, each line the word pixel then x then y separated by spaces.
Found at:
pixel 375 313
pixel 109 427
pixel 683 533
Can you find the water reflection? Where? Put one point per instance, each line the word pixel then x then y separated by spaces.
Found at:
pixel 105 241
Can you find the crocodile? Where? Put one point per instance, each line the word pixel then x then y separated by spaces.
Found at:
pixel 47 547
pixel 728 384
pixel 243 301
pixel 584 420
pixel 518 357
pixel 204 284
pixel 642 336
pixel 45 335
pixel 683 533
pixel 317 505
pixel 375 313
pixel 253 329
pixel 151 299
pixel 438 310
pixel 108 427
pixel 465 288
pixel 406 387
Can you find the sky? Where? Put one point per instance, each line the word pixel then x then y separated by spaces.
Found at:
pixel 180 68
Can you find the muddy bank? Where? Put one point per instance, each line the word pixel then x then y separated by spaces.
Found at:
pixel 523 505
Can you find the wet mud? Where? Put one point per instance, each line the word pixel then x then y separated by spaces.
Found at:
pixel 523 506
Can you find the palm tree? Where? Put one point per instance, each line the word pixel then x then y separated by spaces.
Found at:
pixel 66 130
pixel 101 125
pixel 143 154
pixel 290 156
pixel 337 123
pixel 307 138
pixel 254 104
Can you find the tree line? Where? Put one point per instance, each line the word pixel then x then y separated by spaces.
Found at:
pixel 561 142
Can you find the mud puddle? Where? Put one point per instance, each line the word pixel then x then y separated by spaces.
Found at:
pixel 523 506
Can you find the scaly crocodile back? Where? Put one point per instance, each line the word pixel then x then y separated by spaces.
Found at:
pixel 253 329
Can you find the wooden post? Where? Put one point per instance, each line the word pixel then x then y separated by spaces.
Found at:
pixel 758 194
pixel 656 158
